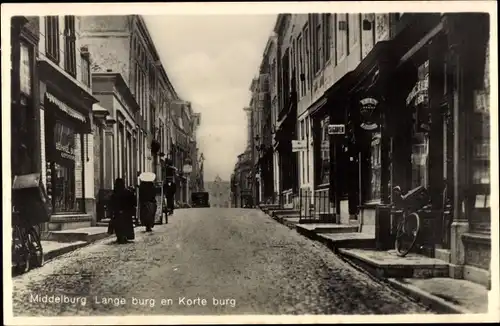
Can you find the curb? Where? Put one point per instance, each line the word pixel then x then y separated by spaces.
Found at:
pixel 430 300
pixel 67 249
pixel 63 250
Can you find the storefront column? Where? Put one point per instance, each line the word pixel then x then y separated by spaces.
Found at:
pixel 109 157
pixel 88 167
pixel 336 116
pixel 461 107
pixel 436 91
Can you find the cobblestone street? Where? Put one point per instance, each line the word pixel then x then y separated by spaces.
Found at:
pixel 240 261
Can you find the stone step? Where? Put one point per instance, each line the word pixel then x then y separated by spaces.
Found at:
pixel 87 235
pixel 387 264
pixel 61 222
pixel 286 212
pixel 328 228
pixel 347 240
pixel 103 222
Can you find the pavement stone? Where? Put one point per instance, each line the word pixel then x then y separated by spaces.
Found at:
pixel 236 256
pixel 469 296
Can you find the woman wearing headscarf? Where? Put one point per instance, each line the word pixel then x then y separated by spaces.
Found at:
pixel 122 205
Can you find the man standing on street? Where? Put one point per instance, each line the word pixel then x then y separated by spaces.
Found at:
pixel 169 186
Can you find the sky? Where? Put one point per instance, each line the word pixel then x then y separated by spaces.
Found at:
pixel 211 60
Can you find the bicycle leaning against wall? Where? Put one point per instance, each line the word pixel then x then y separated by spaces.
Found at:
pixel 407 207
pixel 30 208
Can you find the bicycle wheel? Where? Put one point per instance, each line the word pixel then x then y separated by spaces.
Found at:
pixel 20 250
pixel 407 234
pixel 35 248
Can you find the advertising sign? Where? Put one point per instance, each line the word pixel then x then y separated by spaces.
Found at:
pixel 367 107
pixel 336 129
pixel 299 145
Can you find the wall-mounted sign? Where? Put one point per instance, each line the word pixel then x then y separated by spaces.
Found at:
pixel 299 145
pixel 367 107
pixel 336 129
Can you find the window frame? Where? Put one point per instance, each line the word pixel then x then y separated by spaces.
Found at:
pixel 70 45
pixel 327 37
pixel 52 42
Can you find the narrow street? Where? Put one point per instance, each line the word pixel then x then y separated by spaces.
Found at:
pixel 207 261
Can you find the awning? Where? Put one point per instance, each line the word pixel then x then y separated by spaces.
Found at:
pixel 65 108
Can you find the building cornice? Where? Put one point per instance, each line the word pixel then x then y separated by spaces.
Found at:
pixel 141 23
pixel 116 79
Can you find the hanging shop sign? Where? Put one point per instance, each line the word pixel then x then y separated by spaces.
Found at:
pixel 367 108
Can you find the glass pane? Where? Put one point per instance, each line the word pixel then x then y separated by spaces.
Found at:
pixel 419 160
pixel 375 167
pixel 63 192
pixel 25 70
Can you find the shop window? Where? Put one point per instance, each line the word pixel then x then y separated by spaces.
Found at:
pixel 417 101
pixel 375 167
pixel 324 157
pixel 419 160
pixel 52 38
pixel 481 135
pixel 67 169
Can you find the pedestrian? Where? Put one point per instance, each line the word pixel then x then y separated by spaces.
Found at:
pixel 122 205
pixel 169 187
pixel 147 200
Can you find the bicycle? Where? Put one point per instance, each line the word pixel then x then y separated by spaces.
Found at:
pixel 408 226
pixel 27 250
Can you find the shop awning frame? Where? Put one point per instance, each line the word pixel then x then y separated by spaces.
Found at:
pixel 65 108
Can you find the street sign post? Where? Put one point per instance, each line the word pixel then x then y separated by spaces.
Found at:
pixel 299 145
pixel 336 129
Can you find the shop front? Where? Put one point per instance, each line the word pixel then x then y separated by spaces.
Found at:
pixel 67 147
pixel 412 106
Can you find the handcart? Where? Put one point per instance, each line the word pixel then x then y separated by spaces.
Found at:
pixel 150 188
pixel 31 208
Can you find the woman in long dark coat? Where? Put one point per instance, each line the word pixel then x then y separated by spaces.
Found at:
pixel 122 205
pixel 147 201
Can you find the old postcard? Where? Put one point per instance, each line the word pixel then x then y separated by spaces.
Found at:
pixel 250 162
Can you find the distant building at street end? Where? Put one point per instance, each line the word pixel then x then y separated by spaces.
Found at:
pixel 219 192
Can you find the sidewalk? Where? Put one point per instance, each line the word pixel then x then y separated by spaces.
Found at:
pixel 422 278
pixel 446 294
pixel 58 243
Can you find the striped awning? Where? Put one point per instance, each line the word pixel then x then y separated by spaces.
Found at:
pixel 65 108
